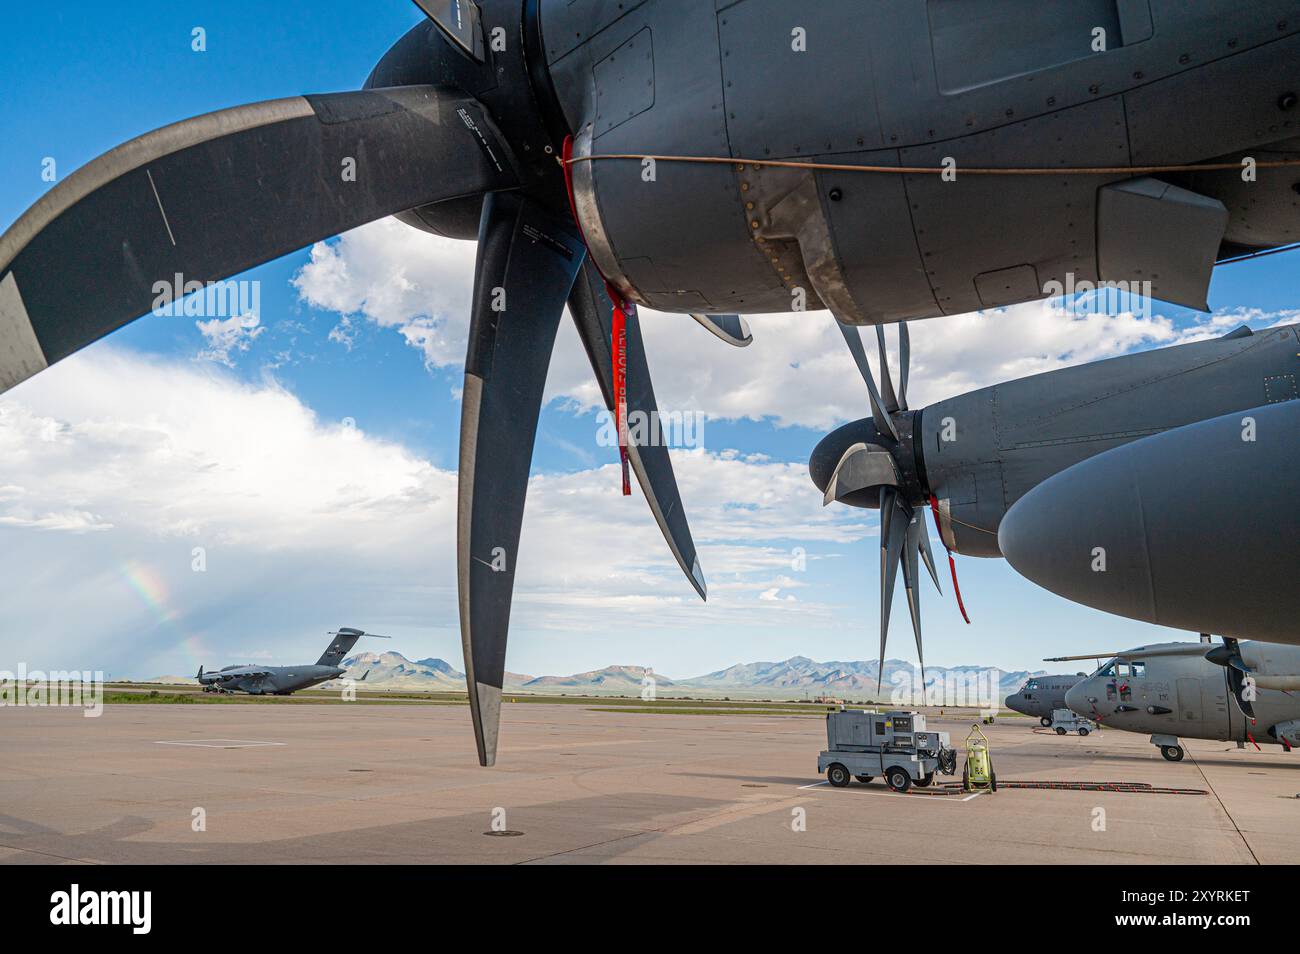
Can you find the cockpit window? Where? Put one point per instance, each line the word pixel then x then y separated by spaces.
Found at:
pixel 1108 669
pixel 1031 685
pixel 1133 670
pixel 459 19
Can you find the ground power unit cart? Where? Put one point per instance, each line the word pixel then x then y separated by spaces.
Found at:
pixel 894 746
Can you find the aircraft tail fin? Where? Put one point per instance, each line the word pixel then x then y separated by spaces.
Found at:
pixel 341 644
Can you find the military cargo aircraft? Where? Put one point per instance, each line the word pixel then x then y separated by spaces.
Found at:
pixel 885 161
pixel 286 680
pixel 1041 696
pixel 1235 692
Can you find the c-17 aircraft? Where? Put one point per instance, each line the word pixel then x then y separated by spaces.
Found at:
pixel 1235 692
pixel 1042 695
pixel 284 680
pixel 884 161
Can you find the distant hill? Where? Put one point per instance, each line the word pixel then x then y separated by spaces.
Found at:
pixel 794 678
pixel 395 671
pixel 622 680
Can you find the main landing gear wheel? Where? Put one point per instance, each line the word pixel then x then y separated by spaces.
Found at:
pixel 1045 722
pixel 837 775
pixel 1174 753
pixel 898 779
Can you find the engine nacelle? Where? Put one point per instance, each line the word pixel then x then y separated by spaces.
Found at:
pixel 1194 528
pixel 1288 732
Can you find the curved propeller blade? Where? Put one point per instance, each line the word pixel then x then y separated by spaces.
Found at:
pixel 904 363
pixel 879 415
pixel 733 329
pixel 927 555
pixel 1229 656
pixel 886 380
pixel 894 519
pixel 533 258
pixel 1237 680
pixel 911 577
pixel 201 200
pixel 593 314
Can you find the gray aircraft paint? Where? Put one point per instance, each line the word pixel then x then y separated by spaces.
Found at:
pixel 1196 527
pixel 1005 83
pixel 1042 695
pixel 912 84
pixel 1133 460
pixel 284 680
pixel 1179 678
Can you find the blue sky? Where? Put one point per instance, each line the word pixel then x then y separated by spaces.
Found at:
pixel 311 524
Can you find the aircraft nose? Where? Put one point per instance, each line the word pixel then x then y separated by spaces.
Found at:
pixel 1076 699
pixel 1013 702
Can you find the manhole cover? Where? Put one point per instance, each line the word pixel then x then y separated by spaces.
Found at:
pixel 507 833
pixel 752 785
pixel 360 770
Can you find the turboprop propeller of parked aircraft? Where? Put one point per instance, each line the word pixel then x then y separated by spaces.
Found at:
pixel 885 161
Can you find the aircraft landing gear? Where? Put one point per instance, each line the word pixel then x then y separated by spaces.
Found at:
pixel 1174 753
pixel 1044 722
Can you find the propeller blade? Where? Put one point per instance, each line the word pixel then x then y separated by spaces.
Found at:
pixel 1237 680
pixel 863 466
pixel 853 339
pixel 732 329
pixel 204 199
pixel 904 363
pixel 893 533
pixel 927 555
pixel 459 19
pixel 527 262
pixel 911 577
pixel 593 315
pixel 1229 656
pixel 886 381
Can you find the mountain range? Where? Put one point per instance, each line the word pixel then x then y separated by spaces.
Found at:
pixel 796 677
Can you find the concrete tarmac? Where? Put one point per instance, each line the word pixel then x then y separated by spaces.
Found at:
pixel 399 784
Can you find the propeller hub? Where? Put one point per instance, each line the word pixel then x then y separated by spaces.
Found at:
pixel 1221 655
pixel 828 453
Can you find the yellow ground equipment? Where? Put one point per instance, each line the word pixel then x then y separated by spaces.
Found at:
pixel 978 774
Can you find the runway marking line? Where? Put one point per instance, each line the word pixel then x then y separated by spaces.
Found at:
pixel 218 743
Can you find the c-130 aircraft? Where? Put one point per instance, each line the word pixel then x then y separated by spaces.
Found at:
pixel 286 680
pixel 1239 691
pixel 885 161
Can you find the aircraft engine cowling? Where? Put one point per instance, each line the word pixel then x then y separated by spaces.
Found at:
pixel 1193 528
pixel 1288 732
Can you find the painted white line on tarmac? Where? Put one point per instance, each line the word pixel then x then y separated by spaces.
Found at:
pixel 218 743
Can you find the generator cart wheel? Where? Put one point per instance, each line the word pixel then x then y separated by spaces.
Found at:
pixel 898 779
pixel 1083 730
pixel 993 781
pixel 1045 722
pixel 965 777
pixel 864 779
pixel 837 775
pixel 925 780
pixel 1060 730
pixel 1174 753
